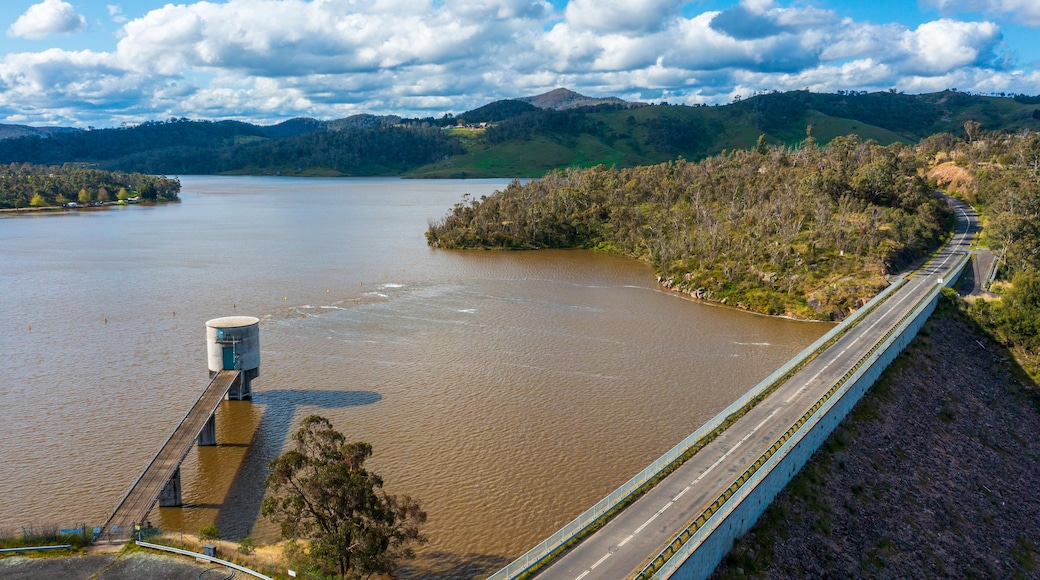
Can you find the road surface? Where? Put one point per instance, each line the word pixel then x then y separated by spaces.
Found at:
pixel 632 539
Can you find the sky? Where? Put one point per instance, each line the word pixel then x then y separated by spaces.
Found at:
pixel 89 63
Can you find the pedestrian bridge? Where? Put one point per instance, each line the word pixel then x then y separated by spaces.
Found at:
pixel 161 481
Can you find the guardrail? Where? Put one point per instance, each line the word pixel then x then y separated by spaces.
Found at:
pixel 588 520
pixel 657 567
pixel 213 559
pixel 34 548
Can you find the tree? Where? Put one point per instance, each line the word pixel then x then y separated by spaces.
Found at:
pixel 84 196
pixel 148 191
pixel 971 129
pixel 321 491
pixel 1018 318
pixel 209 532
pixel 102 194
pixel 122 194
pixel 37 200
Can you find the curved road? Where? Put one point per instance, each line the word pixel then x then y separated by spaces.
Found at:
pixel 627 543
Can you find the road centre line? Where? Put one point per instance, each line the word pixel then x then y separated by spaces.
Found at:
pixel 891 308
pixel 600 561
pixel 647 523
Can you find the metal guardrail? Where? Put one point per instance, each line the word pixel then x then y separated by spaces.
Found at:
pixel 213 559
pixel 34 548
pixel 657 566
pixel 545 549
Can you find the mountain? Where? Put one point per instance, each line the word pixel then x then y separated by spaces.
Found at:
pixel 19 131
pixel 499 111
pixel 521 137
pixel 293 127
pixel 562 99
pixel 362 121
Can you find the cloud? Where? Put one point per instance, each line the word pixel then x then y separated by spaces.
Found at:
pixel 294 37
pixel 1025 12
pixel 700 46
pixel 607 16
pixel 267 60
pixel 47 18
pixel 936 48
pixel 116 12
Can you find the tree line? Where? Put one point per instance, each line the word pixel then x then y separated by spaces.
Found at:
pixel 391 145
pixel 183 147
pixel 27 185
pixel 1004 184
pixel 805 231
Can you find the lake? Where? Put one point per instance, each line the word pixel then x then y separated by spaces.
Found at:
pixel 508 391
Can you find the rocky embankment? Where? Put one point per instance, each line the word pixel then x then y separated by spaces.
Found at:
pixel 934 474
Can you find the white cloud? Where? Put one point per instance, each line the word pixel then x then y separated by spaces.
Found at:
pixel 938 47
pixel 608 16
pixel 1025 12
pixel 266 60
pixel 293 37
pixel 116 12
pixel 47 18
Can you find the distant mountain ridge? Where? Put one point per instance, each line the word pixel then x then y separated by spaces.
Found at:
pixel 556 99
pixel 562 99
pixel 18 131
pixel 523 137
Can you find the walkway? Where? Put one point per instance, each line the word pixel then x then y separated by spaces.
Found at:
pixel 145 492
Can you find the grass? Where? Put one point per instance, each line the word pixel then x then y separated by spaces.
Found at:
pixel 826 128
pixel 45 535
pixel 267 559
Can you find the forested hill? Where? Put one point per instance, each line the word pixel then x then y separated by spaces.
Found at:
pixel 362 145
pixel 528 136
pixel 34 186
pixel 807 232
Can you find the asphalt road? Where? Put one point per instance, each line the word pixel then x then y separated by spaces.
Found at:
pixel 633 538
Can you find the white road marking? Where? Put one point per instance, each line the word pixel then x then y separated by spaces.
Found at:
pixel 859 336
pixel 600 561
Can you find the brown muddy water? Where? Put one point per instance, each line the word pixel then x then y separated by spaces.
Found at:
pixel 508 391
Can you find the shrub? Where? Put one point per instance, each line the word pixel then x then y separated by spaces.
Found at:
pixel 247 546
pixel 209 532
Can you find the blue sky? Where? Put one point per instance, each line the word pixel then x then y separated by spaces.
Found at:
pixel 88 63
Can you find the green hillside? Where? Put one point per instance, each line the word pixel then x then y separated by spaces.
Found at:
pixel 628 137
pixel 514 138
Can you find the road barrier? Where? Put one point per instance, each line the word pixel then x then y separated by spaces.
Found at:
pixel 594 517
pixel 669 560
pixel 199 556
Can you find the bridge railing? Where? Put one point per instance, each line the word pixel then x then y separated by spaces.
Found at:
pixel 588 520
pixel 125 532
pixel 681 546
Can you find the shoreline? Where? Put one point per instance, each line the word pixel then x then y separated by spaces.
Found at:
pixel 103 207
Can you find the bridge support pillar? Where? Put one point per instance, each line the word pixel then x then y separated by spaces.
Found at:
pixel 171 493
pixel 208 436
pixel 242 388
